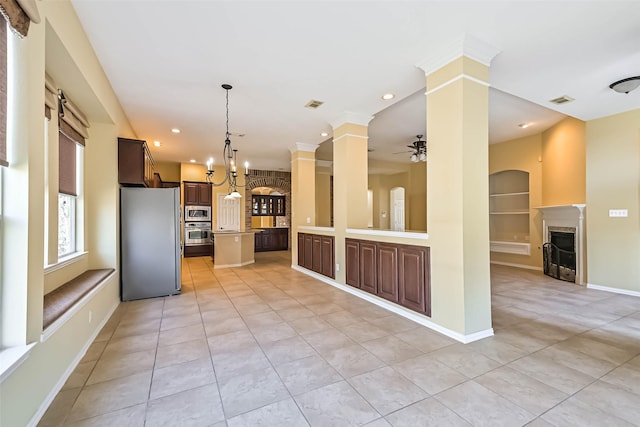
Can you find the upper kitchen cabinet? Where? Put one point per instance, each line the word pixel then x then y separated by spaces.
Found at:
pixel 268 205
pixel 197 194
pixel 135 164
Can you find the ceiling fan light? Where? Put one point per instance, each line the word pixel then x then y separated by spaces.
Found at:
pixel 423 157
pixel 626 85
pixel 414 157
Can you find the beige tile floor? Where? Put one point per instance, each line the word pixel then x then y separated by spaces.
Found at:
pixel 266 345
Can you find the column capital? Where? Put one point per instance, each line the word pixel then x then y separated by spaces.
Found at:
pixel 350 117
pixel 303 146
pixel 464 45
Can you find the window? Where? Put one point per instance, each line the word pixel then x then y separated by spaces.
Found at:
pixel 68 161
pixel 66 224
pixel 3 92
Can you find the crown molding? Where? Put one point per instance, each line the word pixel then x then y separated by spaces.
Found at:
pixel 349 117
pixel 464 45
pixel 303 146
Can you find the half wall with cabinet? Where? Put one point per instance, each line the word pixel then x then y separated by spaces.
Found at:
pixel 317 253
pixel 396 272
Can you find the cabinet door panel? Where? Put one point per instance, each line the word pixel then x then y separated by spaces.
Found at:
pixel 308 251
pixel 190 194
pixel 352 261
pixel 388 272
pixel 327 257
pixel 204 194
pixel 301 262
pixel 317 254
pixel 412 278
pixel 368 267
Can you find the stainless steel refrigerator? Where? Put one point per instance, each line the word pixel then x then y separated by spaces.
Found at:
pixel 149 242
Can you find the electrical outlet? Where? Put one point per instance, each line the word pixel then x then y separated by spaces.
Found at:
pixel 308 220
pixel 337 267
pixel 618 213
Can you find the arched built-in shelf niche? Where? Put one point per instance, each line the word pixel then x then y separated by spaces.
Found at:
pixel 509 212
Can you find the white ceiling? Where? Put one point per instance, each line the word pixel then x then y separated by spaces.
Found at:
pixel 167 59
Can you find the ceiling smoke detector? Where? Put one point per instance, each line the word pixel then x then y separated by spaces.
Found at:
pixel 562 99
pixel 314 103
pixel 626 85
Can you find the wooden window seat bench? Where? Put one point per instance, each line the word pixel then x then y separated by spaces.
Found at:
pixel 63 298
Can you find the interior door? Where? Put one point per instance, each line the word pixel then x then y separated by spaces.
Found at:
pixel 228 214
pixel 397 208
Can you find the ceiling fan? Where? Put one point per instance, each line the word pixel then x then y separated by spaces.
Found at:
pixel 418 150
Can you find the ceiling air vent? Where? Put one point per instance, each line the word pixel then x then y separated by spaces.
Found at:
pixel 313 104
pixel 562 100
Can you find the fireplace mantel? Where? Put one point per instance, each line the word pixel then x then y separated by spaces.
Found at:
pixel 567 216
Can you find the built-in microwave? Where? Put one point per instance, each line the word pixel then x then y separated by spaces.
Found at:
pixel 197 213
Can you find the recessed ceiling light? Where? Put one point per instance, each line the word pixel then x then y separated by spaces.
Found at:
pixel 175 130
pixel 324 134
pixel 192 160
pixel 388 96
pixel 524 125
pixel 156 143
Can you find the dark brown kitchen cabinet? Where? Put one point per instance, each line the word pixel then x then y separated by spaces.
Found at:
pixel 395 272
pixel 368 267
pixel 135 164
pixel 272 239
pixel 197 194
pixel 317 253
pixel 301 260
pixel 387 271
pixel 352 254
pixel 308 251
pixel 328 255
pixel 413 277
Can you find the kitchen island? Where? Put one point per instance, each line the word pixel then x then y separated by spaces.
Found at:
pixel 233 248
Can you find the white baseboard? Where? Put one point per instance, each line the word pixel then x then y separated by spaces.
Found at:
pixel 613 290
pixel 406 313
pixel 510 264
pixel 63 379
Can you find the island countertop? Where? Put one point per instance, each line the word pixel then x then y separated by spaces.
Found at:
pixel 230 232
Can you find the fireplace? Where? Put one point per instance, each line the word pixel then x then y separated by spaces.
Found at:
pixel 559 253
pixel 564 247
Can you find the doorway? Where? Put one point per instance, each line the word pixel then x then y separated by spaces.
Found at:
pixel 396 199
pixel 228 213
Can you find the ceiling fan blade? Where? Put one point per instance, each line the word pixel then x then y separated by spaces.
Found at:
pixel 401 152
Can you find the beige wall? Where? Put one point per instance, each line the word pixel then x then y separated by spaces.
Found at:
pixel 61 40
pixel 563 163
pixel 417 197
pixel 613 182
pixel 169 171
pixel 522 154
pixel 323 196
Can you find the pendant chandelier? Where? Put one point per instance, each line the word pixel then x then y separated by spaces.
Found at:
pixel 229 157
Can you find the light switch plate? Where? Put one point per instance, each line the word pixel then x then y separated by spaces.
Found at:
pixel 618 213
